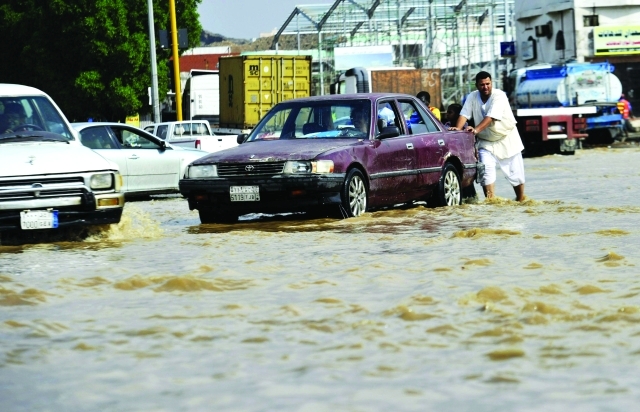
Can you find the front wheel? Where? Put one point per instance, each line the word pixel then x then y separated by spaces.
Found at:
pixel 354 194
pixel 449 188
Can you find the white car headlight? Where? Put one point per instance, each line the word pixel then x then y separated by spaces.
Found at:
pixel 199 171
pixel 101 181
pixel 297 166
pixel 318 166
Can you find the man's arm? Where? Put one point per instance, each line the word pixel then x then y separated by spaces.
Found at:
pixel 461 121
pixel 483 125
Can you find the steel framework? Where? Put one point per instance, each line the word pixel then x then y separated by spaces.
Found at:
pixel 460 37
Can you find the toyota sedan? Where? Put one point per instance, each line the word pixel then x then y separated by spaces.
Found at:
pixel 304 156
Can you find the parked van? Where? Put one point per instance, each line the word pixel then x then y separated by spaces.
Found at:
pixel 192 134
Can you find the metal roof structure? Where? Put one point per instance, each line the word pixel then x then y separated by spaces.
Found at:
pixel 458 36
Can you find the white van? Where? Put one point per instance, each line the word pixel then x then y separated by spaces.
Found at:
pixel 48 179
pixel 192 134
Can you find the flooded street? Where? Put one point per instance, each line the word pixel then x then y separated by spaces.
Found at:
pixel 487 306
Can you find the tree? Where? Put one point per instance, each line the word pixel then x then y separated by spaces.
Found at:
pixel 91 56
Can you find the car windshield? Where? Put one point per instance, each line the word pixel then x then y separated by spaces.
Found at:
pixel 327 119
pixel 28 115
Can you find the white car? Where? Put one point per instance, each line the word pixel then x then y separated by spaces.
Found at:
pixel 47 178
pixel 148 164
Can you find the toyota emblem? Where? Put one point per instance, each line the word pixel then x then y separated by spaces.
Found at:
pixel 249 168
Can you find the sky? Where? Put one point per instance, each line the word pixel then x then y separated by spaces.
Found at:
pixel 247 19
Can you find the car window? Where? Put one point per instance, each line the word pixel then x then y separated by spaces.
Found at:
pixel 162 131
pixel 199 129
pixel 34 113
pixel 418 122
pixel 182 129
pixel 273 126
pixel 131 139
pixel 388 116
pixel 96 138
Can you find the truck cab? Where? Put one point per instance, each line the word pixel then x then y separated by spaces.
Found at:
pixel 192 134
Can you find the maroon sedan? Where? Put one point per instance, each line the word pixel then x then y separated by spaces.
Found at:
pixel 346 153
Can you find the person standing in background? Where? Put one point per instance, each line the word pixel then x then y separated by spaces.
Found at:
pixel 426 99
pixel 452 114
pixel 624 107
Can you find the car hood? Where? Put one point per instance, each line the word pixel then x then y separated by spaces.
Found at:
pixel 277 150
pixel 34 158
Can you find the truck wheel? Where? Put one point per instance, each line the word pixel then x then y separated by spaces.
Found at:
pixel 213 216
pixel 354 194
pixel 449 190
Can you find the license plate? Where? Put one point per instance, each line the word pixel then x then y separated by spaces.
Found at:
pixel 245 193
pixel 38 219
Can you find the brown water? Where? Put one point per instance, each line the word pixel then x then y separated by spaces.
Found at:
pixel 487 306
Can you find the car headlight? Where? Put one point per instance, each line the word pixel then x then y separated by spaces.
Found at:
pixel 322 166
pixel 199 171
pixel 101 181
pixel 298 166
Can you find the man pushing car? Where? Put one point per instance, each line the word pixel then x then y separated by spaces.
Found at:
pixel 498 140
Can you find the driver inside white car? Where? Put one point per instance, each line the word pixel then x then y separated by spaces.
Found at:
pixel 13 116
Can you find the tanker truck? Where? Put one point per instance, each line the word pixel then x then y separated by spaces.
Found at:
pixel 559 106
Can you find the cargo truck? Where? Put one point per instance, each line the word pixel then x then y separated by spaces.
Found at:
pixel 558 106
pixel 251 85
pixel 390 80
pixel 201 97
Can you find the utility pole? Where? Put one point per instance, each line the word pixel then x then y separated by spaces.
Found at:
pixel 176 58
pixel 154 67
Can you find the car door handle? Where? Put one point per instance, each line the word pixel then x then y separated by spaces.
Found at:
pixel 440 142
pixel 410 146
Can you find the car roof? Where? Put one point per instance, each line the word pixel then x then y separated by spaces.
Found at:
pixel 84 124
pixel 353 96
pixel 10 90
pixel 182 121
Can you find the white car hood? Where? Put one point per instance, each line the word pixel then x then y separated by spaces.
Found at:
pixel 35 158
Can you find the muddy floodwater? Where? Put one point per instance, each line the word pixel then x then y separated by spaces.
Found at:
pixel 489 306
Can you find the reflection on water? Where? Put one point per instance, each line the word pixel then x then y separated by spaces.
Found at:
pixel 489 305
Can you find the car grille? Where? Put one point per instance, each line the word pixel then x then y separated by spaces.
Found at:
pixel 26 189
pixel 250 169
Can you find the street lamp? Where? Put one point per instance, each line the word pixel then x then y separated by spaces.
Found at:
pixel 154 69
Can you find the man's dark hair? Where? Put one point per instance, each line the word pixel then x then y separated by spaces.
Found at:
pixel 425 97
pixel 482 75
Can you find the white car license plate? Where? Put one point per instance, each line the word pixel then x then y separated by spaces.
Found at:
pixel 245 193
pixel 38 219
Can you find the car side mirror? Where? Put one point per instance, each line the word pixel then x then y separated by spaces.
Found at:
pixel 163 145
pixel 242 138
pixel 387 132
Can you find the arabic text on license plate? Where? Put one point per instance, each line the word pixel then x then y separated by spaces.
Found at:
pixel 38 219
pixel 244 193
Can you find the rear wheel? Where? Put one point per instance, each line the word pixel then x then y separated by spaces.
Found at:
pixel 449 188
pixel 354 194
pixel 212 216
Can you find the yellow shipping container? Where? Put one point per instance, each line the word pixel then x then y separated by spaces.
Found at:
pixel 251 85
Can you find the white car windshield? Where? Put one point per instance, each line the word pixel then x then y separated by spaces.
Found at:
pixel 30 114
